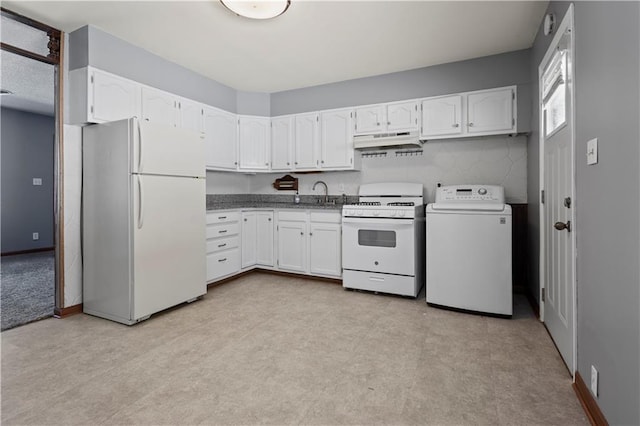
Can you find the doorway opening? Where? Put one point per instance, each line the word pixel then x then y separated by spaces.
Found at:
pixel 31 132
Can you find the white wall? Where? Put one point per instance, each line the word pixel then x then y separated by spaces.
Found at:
pixel 227 183
pixel 499 160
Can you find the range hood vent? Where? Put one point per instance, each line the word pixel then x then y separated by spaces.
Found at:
pixel 387 140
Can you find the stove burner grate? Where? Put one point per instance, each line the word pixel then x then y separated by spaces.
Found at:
pixel 367 203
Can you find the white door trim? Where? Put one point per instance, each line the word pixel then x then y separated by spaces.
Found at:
pixel 567 23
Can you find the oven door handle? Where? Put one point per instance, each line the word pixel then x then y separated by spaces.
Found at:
pixel 375 221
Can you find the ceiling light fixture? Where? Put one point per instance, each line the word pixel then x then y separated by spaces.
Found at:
pixel 257 9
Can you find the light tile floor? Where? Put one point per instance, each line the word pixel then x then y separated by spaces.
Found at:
pixel 267 349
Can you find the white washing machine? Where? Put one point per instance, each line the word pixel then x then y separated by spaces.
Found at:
pixel 468 234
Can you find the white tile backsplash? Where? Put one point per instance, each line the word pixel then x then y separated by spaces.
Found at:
pixel 499 160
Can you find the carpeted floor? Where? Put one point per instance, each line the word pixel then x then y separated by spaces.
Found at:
pixel 27 288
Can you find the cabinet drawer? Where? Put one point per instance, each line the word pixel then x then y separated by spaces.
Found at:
pixel 326 217
pixel 222 217
pixel 223 230
pixel 223 264
pixel 220 244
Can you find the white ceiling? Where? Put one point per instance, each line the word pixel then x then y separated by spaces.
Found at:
pixel 314 42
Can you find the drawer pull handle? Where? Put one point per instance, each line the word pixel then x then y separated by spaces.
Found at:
pixel 222 260
pixel 224 231
pixel 222 217
pixel 222 245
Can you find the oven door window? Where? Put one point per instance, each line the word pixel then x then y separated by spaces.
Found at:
pixel 374 238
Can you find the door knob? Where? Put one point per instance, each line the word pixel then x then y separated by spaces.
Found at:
pixel 561 226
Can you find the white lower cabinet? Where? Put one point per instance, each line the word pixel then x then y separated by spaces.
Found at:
pixel 257 238
pixel 310 242
pixel 325 244
pixel 223 244
pixel 299 241
pixel 292 241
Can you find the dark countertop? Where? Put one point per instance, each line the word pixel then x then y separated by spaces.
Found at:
pixel 275 201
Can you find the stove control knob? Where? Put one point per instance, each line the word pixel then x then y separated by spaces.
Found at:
pixel 359 213
pixel 482 191
pixel 401 213
pixel 376 213
pixel 393 213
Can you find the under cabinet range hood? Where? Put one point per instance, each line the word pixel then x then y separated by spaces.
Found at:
pixel 387 140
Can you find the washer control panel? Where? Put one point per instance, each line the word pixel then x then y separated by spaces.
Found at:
pixel 470 196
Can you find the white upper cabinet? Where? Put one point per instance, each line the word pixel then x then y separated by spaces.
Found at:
pixel 479 113
pixel 336 139
pixel 98 96
pixel 370 119
pixel 221 139
pixel 254 138
pixel 491 111
pixel 159 107
pixel 390 117
pixel 282 137
pixel 190 115
pixel 402 116
pixel 442 116
pixel 306 141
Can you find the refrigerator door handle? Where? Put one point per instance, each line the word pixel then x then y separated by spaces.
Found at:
pixel 141 203
pixel 140 150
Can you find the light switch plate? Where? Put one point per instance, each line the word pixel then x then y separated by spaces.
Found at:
pixel 37 181
pixel 592 151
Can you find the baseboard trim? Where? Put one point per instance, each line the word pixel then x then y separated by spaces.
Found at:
pixel 588 403
pixel 293 274
pixel 36 250
pixel 68 311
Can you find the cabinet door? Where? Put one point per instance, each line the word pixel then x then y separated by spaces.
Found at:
pixel 292 243
pixel 282 143
pixel 264 238
pixel 491 111
pixel 370 120
pixel 190 115
pixel 254 137
pixel 249 228
pixel 402 116
pixel 325 244
pixel 159 107
pixel 113 98
pixel 306 141
pixel 336 139
pixel 442 116
pixel 221 139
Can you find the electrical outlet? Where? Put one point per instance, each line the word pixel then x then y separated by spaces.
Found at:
pixel 594 381
pixel 37 181
pixel 36 236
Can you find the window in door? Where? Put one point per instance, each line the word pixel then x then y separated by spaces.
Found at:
pixel 554 92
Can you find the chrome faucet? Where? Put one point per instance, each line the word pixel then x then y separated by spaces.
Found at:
pixel 326 190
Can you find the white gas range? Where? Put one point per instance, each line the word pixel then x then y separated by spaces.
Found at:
pixel 383 239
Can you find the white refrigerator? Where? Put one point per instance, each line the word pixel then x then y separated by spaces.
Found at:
pixel 143 207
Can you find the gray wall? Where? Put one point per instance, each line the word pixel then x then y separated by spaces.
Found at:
pixel 607 203
pixel 27 152
pixel 252 103
pixel 482 73
pixel 607 86
pixel 91 46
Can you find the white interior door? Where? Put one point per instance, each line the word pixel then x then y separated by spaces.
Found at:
pixel 557 135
